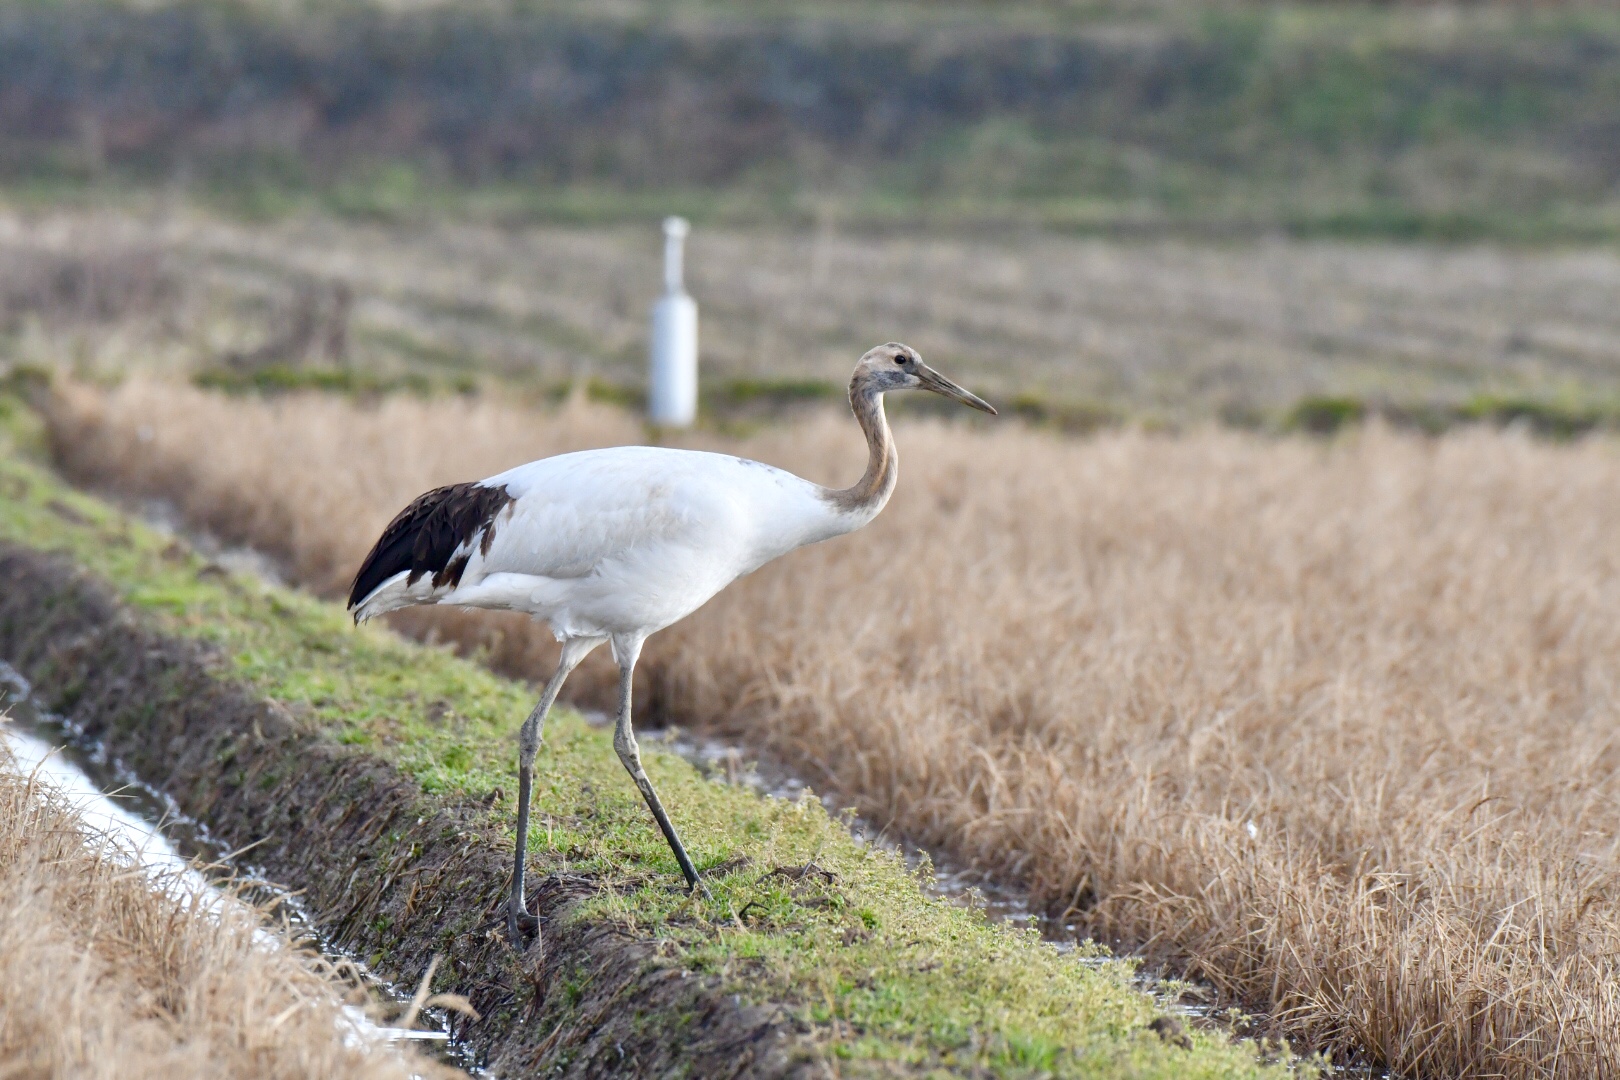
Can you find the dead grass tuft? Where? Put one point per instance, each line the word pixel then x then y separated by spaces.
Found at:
pixel 1329 725
pixel 104 975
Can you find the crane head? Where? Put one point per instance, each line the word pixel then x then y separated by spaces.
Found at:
pixel 899 367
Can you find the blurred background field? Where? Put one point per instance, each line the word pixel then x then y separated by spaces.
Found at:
pixel 1324 723
pixel 1221 116
pixel 1158 211
pixel 1077 331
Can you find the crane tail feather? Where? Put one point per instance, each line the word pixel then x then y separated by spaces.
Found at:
pixel 395 593
pixel 426 548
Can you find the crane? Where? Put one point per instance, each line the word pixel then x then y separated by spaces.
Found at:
pixel 614 545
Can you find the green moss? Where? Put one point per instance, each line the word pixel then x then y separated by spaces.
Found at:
pixel 891 975
pixel 773 393
pixel 1072 417
pixel 1555 419
pixel 284 378
pixel 1324 415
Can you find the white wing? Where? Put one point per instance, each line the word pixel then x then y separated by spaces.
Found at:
pixel 635 537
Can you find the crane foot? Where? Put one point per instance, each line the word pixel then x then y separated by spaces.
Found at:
pixel 520 925
pixel 696 885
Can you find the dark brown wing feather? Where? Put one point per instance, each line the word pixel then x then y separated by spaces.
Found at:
pixel 425 536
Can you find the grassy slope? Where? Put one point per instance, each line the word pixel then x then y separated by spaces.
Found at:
pixel 897 976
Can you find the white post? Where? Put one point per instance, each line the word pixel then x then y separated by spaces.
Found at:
pixel 672 385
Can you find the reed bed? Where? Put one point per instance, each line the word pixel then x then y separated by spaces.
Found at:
pixel 1329 725
pixel 108 972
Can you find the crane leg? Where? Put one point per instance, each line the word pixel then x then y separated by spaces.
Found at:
pixel 624 742
pixel 518 918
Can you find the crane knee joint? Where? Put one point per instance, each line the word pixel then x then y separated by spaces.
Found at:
pixel 624 743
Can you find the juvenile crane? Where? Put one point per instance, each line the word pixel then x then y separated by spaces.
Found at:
pixel 614 545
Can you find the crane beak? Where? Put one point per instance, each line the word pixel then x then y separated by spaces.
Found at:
pixel 939 384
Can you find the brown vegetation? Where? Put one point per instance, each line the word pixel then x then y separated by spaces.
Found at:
pixel 1329 725
pixel 106 973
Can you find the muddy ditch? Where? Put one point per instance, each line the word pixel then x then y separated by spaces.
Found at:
pixel 180 854
pixel 387 872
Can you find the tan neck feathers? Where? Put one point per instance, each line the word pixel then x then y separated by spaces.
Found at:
pixel 872 490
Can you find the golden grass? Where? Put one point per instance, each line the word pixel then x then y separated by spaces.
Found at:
pixel 105 974
pixel 1328 725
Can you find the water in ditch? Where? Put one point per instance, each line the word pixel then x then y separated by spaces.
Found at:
pixel 178 852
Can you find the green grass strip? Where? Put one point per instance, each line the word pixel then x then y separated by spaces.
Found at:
pixel 896 976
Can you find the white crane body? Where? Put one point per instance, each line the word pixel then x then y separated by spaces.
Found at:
pixel 623 540
pixel 614 545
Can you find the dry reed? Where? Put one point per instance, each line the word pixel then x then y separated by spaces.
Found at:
pixel 1328 725
pixel 106 973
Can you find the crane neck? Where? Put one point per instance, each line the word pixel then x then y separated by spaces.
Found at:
pixel 861 502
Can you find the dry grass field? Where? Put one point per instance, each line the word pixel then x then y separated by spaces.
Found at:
pixel 104 976
pixel 1163 329
pixel 1330 725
